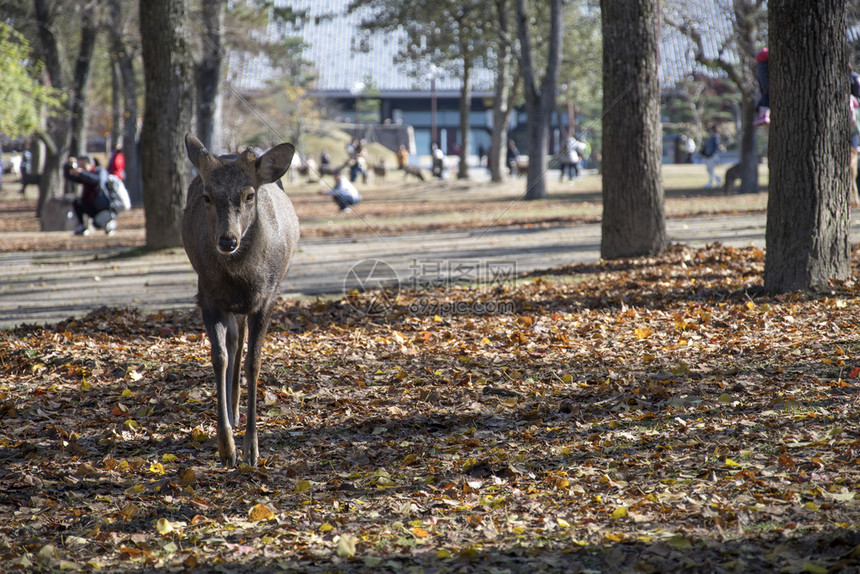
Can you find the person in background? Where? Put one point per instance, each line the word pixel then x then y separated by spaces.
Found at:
pixel 763 77
pixel 94 199
pixel 116 163
pixel 711 153
pixel 343 193
pixel 511 158
pixel 402 157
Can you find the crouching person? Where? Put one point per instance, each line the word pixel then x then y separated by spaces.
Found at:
pixel 94 201
pixel 343 193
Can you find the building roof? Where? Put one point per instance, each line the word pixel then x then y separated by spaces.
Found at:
pixel 331 37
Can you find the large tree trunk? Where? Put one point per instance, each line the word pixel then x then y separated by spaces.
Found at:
pixel 125 54
pixel 209 77
pixel 166 118
pixel 83 71
pixel 540 100
pixel 465 109
pixel 807 211
pixel 634 217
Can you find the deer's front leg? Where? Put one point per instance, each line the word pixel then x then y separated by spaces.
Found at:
pixel 258 324
pixel 217 327
pixel 235 342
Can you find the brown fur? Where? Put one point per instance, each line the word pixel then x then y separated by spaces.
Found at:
pixel 414 171
pixel 380 170
pixel 732 174
pixel 240 231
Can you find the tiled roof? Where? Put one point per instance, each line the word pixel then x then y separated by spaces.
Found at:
pixel 331 46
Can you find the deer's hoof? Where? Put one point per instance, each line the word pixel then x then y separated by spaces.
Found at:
pixel 229 460
pixel 250 450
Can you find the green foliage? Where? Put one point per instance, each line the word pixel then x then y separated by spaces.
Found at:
pixel 22 97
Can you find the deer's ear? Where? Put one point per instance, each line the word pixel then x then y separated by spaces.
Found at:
pixel 195 149
pixel 275 163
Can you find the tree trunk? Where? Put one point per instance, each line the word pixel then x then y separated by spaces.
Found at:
pixel 634 217
pixel 501 104
pixel 125 56
pixel 167 116
pixel 116 122
pixel 540 100
pixel 807 210
pixel 749 150
pixel 209 77
pixel 83 71
pixel 56 136
pixel 465 109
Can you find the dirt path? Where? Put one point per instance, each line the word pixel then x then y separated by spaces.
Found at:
pixel 52 286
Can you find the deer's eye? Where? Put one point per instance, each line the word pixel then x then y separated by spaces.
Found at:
pixel 207 198
pixel 250 197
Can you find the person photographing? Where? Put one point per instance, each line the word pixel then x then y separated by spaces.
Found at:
pixel 94 201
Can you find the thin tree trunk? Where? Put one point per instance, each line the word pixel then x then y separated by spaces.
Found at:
pixel 634 218
pixel 82 74
pixel 167 117
pixel 116 124
pixel 208 75
pixel 125 56
pixel 540 99
pixel 807 210
pixel 465 109
pixel 501 107
pixel 749 150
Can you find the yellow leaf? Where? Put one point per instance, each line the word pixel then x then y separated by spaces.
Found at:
pixel 169 458
pixel 136 489
pixel 437 318
pixel 750 305
pixel 562 522
pixel 346 546
pixel 127 394
pixel 163 526
pixel 725 398
pixel 814 568
pixel 643 332
pixel 811 506
pixel 679 542
pixel 156 468
pixel 443 553
pixel 731 464
pixel 325 527
pixel 303 486
pixel 567 378
pixel 615 536
pixel 619 513
pixel 420 532
pixel 86 385
pixel 260 512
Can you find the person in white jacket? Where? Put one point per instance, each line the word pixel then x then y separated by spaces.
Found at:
pixel 343 193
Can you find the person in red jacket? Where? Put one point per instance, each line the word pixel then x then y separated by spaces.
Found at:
pixel 116 164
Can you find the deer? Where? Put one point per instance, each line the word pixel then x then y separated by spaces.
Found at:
pixel 240 231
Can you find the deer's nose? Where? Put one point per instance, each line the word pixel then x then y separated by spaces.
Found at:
pixel 227 244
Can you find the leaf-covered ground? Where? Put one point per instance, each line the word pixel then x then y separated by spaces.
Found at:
pixel 655 415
